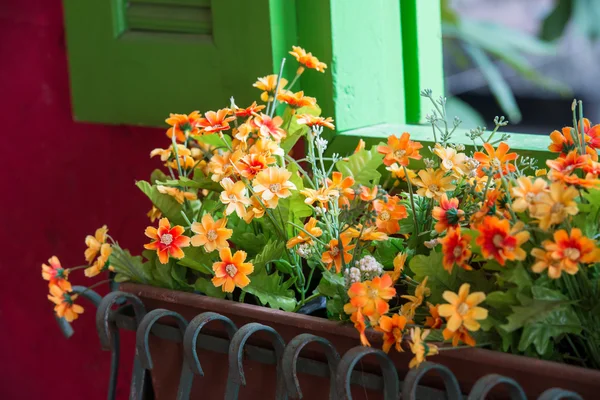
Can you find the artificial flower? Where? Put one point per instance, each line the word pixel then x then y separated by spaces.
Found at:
pixel 60 294
pixel 456 249
pixel 367 194
pixel 451 160
pixel 266 147
pixel 460 335
pixel 307 59
pixel 343 186
pixel 419 347
pixel 496 161
pixel 273 184
pixel 179 195
pixel 154 213
pixel 447 214
pixel 392 329
pixel 296 100
pixel 183 125
pixel 211 234
pixel 254 210
pixel 400 150
pixel 215 121
pixel 410 308
pixel 572 248
pixel 592 133
pixel 544 261
pixel 269 128
pixel 563 143
pixel 526 193
pixel 335 251
pixel 231 271
pixel 54 273
pixel 366 233
pixel 248 111
pixel 310 231
pixel 101 263
pixel 398 172
pixel 185 162
pixel 399 262
pixel 94 243
pixel 167 240
pixel 371 297
pixel 165 154
pixel 497 240
pixel 433 320
pixel 321 195
pixel 268 85
pixel 221 165
pixel 389 212
pixel 553 207
pixel 463 309
pixel 313 120
pixel 564 169
pixel 433 184
pixel 359 324
pixel 234 196
pixel 243 132
pixel 251 164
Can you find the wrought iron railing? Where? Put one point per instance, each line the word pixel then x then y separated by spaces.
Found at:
pixel 131 314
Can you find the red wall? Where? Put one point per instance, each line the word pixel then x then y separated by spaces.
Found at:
pixel 60 181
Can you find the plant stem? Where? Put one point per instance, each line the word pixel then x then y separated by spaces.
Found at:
pixel 412 200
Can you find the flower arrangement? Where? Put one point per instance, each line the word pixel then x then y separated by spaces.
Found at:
pixel 433 247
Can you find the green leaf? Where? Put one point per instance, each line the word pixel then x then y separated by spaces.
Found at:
pixel 247 240
pixel 157 175
pixel 197 259
pixel 271 290
pixel 205 286
pixel 200 181
pixel 294 130
pixel 167 205
pixel 335 308
pixel 179 275
pixel 162 275
pixel 293 208
pixel 271 252
pixel 555 22
pixel 362 166
pixel 502 301
pixel 439 279
pixel 128 266
pixel 388 250
pixel 214 139
pixel 332 285
pixel 120 278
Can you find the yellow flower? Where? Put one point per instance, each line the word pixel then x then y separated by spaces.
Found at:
pixel 94 242
pixel 311 230
pixel 269 84
pixel 307 59
pixel 553 207
pixel 433 184
pixel 211 234
pixel 177 194
pixel 101 262
pixel 409 309
pixel 526 192
pixel 399 262
pixel 397 172
pixel 419 347
pixel 231 271
pixel 54 273
pixel 273 184
pixel 392 329
pixel 154 214
pixel 165 154
pixel 463 310
pixel 367 234
pixel 321 195
pixel 234 197
pixel 451 160
pixel 255 210
pixel 296 100
pixel 64 300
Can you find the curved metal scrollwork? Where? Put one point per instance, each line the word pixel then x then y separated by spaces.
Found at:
pixel 486 384
pixel 559 394
pixel 414 376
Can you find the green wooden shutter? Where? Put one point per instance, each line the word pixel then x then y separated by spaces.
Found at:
pixel 134 61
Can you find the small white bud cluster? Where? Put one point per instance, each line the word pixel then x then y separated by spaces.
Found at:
pixel 364 270
pixel 471 165
pixel 429 163
pixel 304 250
pixel 460 147
pixel 321 144
pixel 351 275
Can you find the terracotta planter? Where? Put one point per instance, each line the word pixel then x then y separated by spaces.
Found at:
pixel 468 365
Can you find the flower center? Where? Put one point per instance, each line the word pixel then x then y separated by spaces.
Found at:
pixel 498 240
pixel 231 270
pixel 335 251
pixel 399 153
pixel 166 239
pixel 557 208
pixel 529 197
pixel 448 164
pixel 572 253
pixel 457 251
pixel 496 163
pixel 373 293
pixel 384 216
pixel 433 187
pixel 275 187
pixel 462 309
pixel 232 197
pixel 212 235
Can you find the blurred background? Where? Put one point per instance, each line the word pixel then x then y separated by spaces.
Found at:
pixel 522 59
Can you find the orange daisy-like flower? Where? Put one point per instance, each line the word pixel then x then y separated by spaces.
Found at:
pixel 553 207
pixel 499 241
pixel 165 154
pixel 393 330
pixel 372 297
pixel 459 335
pixel 592 133
pixel 183 125
pixel 419 347
pixel 211 234
pixel 400 150
pixel 273 184
pixel 54 273
pixel 544 261
pixel 268 85
pixel 101 263
pixel 231 271
pixel 251 164
pixel 307 59
pixel 410 308
pixel 447 214
pixel 94 243
pixel 312 120
pixel 360 146
pixel 451 160
pixel 563 143
pixel 65 301
pixel 456 249
pixel 333 254
pixel 433 184
pixel 266 147
pixel 154 214
pixel 572 249
pixel 399 262
pixel 311 230
pixel 563 169
pixel 526 193
pixel 255 210
pixel 389 212
pixel 433 321
pixel 167 241
pixel 367 194
pixel 343 187
pixel 398 172
pixel 269 128
pixel 248 111
pixel 462 309
pixel 321 195
pixel 179 195
pixel 221 165
pixel 497 160
pixel 234 197
pixel 296 100
pixel 215 121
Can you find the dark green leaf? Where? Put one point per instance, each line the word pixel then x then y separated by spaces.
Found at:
pixel 167 205
pixel 272 251
pixel 157 175
pixel 129 266
pixel 439 279
pixel 271 290
pixel 388 250
pixel 555 22
pixel 335 308
pixel 332 285
pixel 205 286
pixel 362 166
pixel 247 240
pixel 197 259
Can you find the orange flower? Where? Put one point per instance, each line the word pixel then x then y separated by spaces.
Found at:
pixel 343 186
pixel 367 194
pixel 322 195
pixel 222 165
pixel 545 261
pixel 451 160
pixel 165 154
pixel 269 128
pixel 456 249
pixel 553 207
pixel 234 196
pixel 572 249
pixel 410 308
pixel 333 256
pixel 360 146
pixel 460 335
pixel 266 147
pixel 251 164
pixel 154 214
pixel 433 184
pixel 399 150
pixel 462 309
pixel 231 271
pixel 389 212
pixel 307 59
pixel 312 120
pixel 306 236
pixel 296 100
pixel 398 172
pixel 393 329
pixel 185 162
pixel 64 300
pixel 433 321
pixel 366 234
pixel 497 160
pixel 359 324
pixel 447 214
pixel 563 143
pixel 563 169
pixel 54 273
pixel 183 125
pixel 419 347
pixel 499 241
pixel 248 111
pixel 592 133
pixel 255 210
pixel 167 241
pixel 273 184
pixel 211 234
pixel 527 193
pixel 215 121
pixel 179 195
pixel 269 84
pixel 371 297
pixel 93 243
pixel 101 263
pixel 399 262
